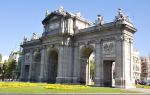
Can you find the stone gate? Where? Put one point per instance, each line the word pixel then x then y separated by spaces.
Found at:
pixel 61 54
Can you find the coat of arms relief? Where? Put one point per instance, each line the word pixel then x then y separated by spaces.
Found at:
pixel 108 47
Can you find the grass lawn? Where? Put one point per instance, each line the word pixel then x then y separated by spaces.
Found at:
pixel 21 87
pixel 143 86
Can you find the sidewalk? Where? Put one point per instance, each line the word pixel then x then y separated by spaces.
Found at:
pixel 81 94
pixel 143 90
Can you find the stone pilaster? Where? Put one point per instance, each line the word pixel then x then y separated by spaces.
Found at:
pixel 88 82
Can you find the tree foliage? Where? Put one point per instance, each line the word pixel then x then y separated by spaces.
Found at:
pixel 9 70
pixel 11 66
pixel 92 68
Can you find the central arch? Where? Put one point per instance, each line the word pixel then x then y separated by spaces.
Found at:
pixel 52 66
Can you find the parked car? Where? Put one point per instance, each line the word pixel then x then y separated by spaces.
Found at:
pixel 148 83
pixel 142 82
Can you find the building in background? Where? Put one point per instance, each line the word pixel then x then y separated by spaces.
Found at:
pixel 15 62
pixel 145 68
pixel 136 64
pixel 2 61
pixel 4 58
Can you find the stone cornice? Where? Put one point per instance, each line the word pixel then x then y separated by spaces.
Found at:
pixel 31 43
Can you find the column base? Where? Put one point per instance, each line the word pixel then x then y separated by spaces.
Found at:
pixel 42 79
pixel 75 80
pixel 63 80
pixel 66 80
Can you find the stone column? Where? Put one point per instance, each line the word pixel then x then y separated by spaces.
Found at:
pixel 22 67
pixel 65 63
pixel 127 63
pixel 119 82
pixel 88 82
pixel 59 78
pixel 45 65
pixel 131 61
pixel 129 80
pixel 123 64
pixel 42 68
pixel 31 67
pixel 45 55
pixel 99 65
pixel 69 63
pixel 76 65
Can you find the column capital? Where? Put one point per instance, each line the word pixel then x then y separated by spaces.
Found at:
pixel 119 38
pixel 131 40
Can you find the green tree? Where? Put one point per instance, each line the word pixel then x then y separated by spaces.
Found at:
pixel 11 69
pixel 92 68
pixel 4 70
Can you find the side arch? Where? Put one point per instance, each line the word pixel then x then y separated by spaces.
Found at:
pixel 36 66
pixel 52 66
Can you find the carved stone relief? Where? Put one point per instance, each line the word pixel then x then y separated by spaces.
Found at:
pixel 108 47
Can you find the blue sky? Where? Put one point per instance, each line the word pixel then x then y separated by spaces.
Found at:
pixel 23 17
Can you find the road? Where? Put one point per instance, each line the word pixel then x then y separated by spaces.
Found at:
pixel 143 90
